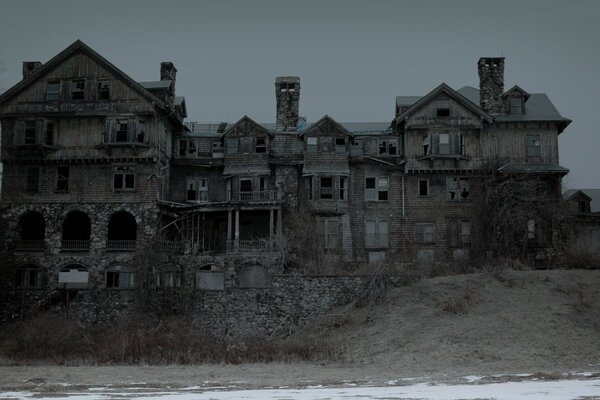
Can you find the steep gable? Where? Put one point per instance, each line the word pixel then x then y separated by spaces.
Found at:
pixel 246 126
pixel 327 125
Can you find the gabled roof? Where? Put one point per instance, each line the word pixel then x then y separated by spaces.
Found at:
pixel 443 88
pixel 331 125
pixel 592 194
pixel 518 89
pixel 247 124
pixel 79 46
pixel 572 193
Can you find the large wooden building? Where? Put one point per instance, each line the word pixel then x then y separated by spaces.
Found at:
pixel 97 166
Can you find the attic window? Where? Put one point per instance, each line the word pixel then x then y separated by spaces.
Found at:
pixel 77 89
pixel 53 91
pixel 261 145
pixel 516 105
pixel 104 90
pixel 443 107
pixel 30 132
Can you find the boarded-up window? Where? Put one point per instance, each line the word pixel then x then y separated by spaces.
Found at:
pixel 247 144
pixel 376 234
pixel 210 277
pixel 232 145
pixel 534 148
pixel 254 276
pixel 424 233
pixel 357 147
pixel 376 189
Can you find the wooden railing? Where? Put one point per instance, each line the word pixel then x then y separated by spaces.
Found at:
pixel 261 195
pixel 31 245
pixel 166 246
pixel 120 245
pixel 75 245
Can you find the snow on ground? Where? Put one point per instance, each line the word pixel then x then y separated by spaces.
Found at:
pixel 524 390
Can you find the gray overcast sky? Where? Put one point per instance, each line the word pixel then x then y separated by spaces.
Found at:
pixel 353 57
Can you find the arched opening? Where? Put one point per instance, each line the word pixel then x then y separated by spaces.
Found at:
pixel 73 276
pixel 252 276
pixel 32 231
pixel 168 276
pixel 29 276
pixel 76 232
pixel 210 277
pixel 120 276
pixel 122 232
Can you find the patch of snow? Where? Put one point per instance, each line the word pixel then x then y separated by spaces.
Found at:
pixel 472 378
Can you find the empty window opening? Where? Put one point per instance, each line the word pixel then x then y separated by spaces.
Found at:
pixel 340 145
pixel 49 134
pixel 123 179
pixel 104 90
pixel 376 189
pixel 261 145
pixel 309 187
pixel 62 179
pixel 30 132
pixel 442 107
pixel 534 148
pixel 197 189
pixel 32 226
pixel 426 146
pixel 53 91
pixel 326 186
pixel 29 277
pixel 168 276
pixel 246 185
pixel 191 148
pixel 122 226
pixel 120 277
pixel 32 185
pixel 457 188
pixel 77 89
pixel 76 226
pixel 424 233
pixel 423 187
pixel 122 131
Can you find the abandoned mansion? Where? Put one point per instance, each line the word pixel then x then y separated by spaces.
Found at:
pixel 100 170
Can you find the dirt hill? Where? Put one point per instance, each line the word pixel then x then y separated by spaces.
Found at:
pixel 487 323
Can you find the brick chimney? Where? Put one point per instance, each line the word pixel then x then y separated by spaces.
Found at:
pixel 168 72
pixel 491 83
pixel 287 93
pixel 29 67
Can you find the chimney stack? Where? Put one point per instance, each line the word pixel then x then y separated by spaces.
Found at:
pixel 287 93
pixel 29 67
pixel 168 72
pixel 491 83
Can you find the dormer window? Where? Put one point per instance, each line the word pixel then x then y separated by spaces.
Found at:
pixel 516 105
pixel 443 107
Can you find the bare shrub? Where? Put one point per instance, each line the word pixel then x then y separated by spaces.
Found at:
pixel 583 254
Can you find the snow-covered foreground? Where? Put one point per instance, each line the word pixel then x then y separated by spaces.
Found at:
pixel 529 390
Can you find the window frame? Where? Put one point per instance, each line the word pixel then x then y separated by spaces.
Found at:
pixel 459 233
pixel 534 145
pixel 421 237
pixel 53 96
pixel 312 144
pixel 63 180
pixel 329 189
pixel 419 193
pixel 260 146
pixel 77 94
pixel 462 188
pixel 124 172
pixel 331 236
pixel 103 92
pixel 114 271
pixel 442 107
pixel 513 108
pixel 379 239
pixel 24 274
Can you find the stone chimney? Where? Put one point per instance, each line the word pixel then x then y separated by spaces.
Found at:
pixel 29 67
pixel 491 83
pixel 168 72
pixel 287 93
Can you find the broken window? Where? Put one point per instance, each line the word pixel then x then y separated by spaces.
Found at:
pixel 311 144
pixel 49 134
pixel 326 144
pixel 331 233
pixel 182 147
pixel 382 147
pixel 53 91
pixel 457 188
pixel 217 149
pixel 326 188
pixel 77 89
pixel 356 148
pixel 247 144
pixel 197 189
pixel 103 90
pixel 120 277
pixel 459 233
pixel 343 187
pixel 261 145
pixel 583 206
pixel 140 132
pixel 191 150
pixel 388 147
pixel 62 179
pixel 232 145
pixel 122 131
pixel 534 148
pixel 444 147
pixel 340 145
pixel 30 132
pixel 423 187
pixel 33 180
pixel 376 189
pixel 442 107
pixel 516 105
pixel 424 233
pixel 123 179
pixel 245 185
pixel 376 234
pixel 29 277
pixel 426 146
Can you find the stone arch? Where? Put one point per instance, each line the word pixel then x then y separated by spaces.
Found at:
pixel 119 276
pixel 30 276
pixel 122 226
pixel 73 275
pixel 168 276
pixel 76 226
pixel 210 276
pixel 32 226
pixel 252 275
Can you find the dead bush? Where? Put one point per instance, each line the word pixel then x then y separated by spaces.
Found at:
pixel 582 254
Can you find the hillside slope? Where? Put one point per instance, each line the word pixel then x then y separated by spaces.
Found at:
pixel 507 321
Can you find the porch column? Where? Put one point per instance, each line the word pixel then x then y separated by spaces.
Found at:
pixel 271 229
pixel 279 224
pixel 229 225
pixel 237 230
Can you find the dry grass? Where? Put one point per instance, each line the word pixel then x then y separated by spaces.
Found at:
pixel 146 340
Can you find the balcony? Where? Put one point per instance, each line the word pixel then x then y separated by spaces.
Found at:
pixel 120 245
pixel 257 196
pixel 31 245
pixel 165 246
pixel 251 246
pixel 75 245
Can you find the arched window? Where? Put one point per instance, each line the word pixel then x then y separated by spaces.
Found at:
pixel 210 277
pixel 73 276
pixel 76 232
pixel 120 276
pixel 252 276
pixel 32 231
pixel 29 277
pixel 168 276
pixel 122 232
